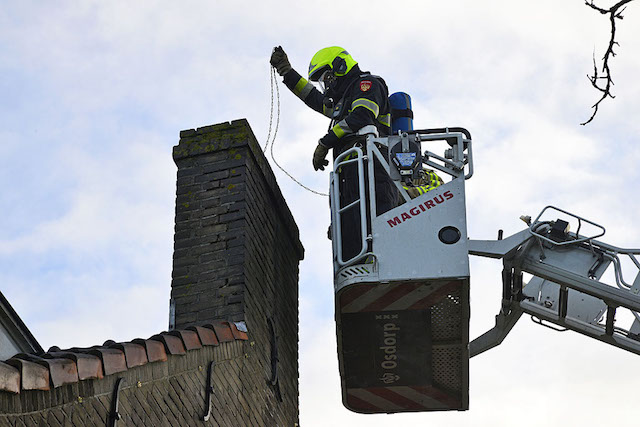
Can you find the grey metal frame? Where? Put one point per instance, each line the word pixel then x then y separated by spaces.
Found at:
pixel 456 162
pixel 571 269
pixel 569 242
pixel 566 291
pixel 360 202
pixel 407 253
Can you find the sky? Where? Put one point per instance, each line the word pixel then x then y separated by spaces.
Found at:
pixel 94 95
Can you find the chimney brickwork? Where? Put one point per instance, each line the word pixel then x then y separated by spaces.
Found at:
pixel 237 246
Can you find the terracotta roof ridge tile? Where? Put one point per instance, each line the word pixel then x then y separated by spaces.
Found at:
pixel 134 354
pixel 222 329
pixel 58 367
pixel 207 335
pixel 33 376
pixel 113 360
pixel 172 344
pixel 237 333
pixel 61 371
pixel 89 366
pixel 9 378
pixel 155 349
pixel 189 338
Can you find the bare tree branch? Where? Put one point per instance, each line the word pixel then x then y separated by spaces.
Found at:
pixel 603 82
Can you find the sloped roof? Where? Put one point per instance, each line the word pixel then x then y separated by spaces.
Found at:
pixel 59 367
pixel 15 331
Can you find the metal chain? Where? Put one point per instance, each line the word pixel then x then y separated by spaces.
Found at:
pixel 274 81
pixel 271 111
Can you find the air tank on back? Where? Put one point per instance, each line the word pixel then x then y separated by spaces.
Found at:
pixel 401 112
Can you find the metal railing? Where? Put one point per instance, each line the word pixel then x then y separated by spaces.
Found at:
pixel 337 211
pixel 456 162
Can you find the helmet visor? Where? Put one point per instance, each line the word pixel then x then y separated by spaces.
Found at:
pixel 326 80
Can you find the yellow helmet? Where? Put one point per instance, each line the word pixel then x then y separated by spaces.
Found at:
pixel 332 58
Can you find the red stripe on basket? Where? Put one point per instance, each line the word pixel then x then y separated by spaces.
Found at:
pixel 397 399
pixel 435 296
pixel 354 293
pixel 389 298
pixel 361 405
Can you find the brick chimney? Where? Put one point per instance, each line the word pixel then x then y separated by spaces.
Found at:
pixel 237 247
pixel 235 268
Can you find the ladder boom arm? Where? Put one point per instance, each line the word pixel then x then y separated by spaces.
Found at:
pixel 566 288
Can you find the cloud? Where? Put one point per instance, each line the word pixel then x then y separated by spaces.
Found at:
pixel 83 324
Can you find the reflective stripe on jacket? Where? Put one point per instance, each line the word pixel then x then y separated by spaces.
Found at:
pixel 365 102
pixel 429 180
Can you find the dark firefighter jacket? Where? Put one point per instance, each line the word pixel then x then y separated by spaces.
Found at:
pixel 362 99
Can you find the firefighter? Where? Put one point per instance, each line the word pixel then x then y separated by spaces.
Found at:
pixel 428 180
pixel 352 99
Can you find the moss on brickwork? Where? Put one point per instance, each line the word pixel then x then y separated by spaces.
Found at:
pixel 213 138
pixel 238 249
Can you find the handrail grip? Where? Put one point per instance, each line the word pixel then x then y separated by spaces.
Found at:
pixel 568 242
pixel 361 201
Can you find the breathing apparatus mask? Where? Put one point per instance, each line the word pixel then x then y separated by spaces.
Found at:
pixel 327 81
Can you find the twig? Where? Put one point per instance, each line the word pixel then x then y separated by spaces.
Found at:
pixel 596 80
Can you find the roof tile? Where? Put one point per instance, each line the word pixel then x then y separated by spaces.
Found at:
pixel 89 366
pixel 237 333
pixel 9 378
pixel 155 349
pixel 134 354
pixel 206 335
pixel 58 367
pixel 113 360
pixel 189 338
pixel 33 376
pixel 62 371
pixel 172 344
pixel 222 330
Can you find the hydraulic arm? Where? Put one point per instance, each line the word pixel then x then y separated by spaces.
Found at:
pixel 567 291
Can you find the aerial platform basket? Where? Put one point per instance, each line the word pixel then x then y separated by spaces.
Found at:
pixel 401 276
pixel 402 297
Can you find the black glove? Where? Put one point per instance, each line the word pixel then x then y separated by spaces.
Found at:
pixel 319 157
pixel 280 61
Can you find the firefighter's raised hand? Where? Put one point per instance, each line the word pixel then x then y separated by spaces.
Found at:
pixel 280 61
pixel 319 157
